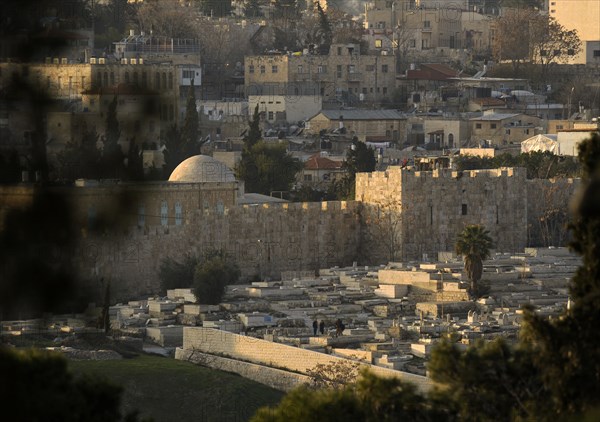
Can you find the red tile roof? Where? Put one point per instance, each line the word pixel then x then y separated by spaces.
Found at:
pixel 316 162
pixel 432 72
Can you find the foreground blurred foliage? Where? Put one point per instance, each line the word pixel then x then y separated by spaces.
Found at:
pixel 552 373
pixel 37 386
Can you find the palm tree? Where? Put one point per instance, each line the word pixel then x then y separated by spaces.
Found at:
pixel 474 244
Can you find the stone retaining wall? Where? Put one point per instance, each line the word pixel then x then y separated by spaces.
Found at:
pixel 274 378
pixel 250 349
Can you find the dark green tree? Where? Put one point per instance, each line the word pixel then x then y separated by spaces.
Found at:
pixel 266 168
pixel 191 124
pixel 254 133
pixel 174 274
pixel 212 276
pixel 567 350
pixel 173 154
pixel 370 399
pixel 360 158
pixel 474 244
pixel 325 31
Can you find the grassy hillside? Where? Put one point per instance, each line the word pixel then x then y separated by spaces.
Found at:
pixel 167 390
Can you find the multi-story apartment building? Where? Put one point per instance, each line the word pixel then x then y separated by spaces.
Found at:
pixel 430 26
pixel 344 74
pixel 582 15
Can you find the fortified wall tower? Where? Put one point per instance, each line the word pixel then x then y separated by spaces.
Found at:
pixel 432 207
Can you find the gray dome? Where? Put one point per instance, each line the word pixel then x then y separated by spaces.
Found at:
pixel 202 169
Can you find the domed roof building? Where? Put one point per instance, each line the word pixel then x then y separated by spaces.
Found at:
pixel 202 169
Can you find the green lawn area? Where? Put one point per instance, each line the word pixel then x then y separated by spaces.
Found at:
pixel 171 390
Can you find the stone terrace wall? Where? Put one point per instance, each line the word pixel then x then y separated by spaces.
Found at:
pixel 275 378
pixel 437 205
pixel 250 349
pixel 293 237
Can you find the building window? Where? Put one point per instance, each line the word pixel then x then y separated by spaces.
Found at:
pixel 251 68
pixel 351 68
pixel 426 24
pixel 508 131
pixel 92 217
pixel 412 43
pixel 308 177
pixel 463 210
pixel 178 214
pixel 492 125
pixel 384 90
pixel 339 70
pixel 559 127
pixel 378 43
pixel 339 51
pixel 596 53
pixel 364 90
pixel 270 116
pixel 170 80
pixel 262 69
pixel 300 69
pixel 141 216
pixel 164 213
pixel 220 207
pixel 384 68
pixel 274 68
pixel 370 68
pixel 477 125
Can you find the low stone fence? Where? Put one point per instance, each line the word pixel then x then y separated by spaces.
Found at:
pixel 272 377
pixel 275 355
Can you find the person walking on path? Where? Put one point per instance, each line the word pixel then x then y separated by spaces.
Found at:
pixel 315 327
pixel 322 327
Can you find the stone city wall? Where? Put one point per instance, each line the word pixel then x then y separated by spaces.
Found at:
pixel 263 240
pixel 281 356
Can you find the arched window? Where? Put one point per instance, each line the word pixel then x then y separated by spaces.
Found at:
pixel 178 214
pixel 164 213
pixel 141 216
pixel 451 140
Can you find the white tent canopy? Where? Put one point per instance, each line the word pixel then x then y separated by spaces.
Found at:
pixel 541 143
